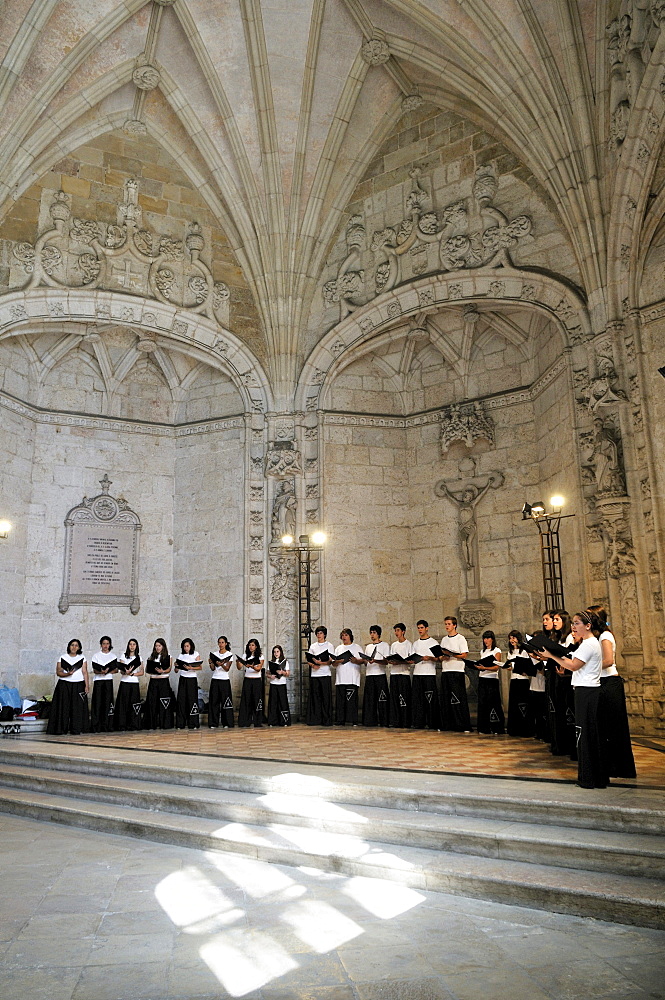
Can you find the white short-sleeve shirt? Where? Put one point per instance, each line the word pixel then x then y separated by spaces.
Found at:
pixel 316 649
pixel 274 679
pixel 219 673
pixel 348 673
pixel 102 659
pixel 426 668
pixel 188 658
pixel 609 671
pixel 403 648
pixel 378 665
pixel 67 662
pixel 458 644
pixel 489 674
pixel 590 653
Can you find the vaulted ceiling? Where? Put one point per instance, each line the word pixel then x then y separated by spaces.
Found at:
pixel 274 108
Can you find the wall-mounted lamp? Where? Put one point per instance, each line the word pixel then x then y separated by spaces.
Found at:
pixel 5 528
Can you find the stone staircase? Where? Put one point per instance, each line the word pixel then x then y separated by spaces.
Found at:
pixel 546 845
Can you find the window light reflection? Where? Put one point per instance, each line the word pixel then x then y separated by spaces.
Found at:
pixel 243 964
pixel 320 925
pixel 383 899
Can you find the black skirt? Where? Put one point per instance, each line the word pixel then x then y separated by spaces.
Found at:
pixel 520 722
pixel 454 704
pixel 319 705
pixel 346 704
pixel 490 710
pixel 279 713
pixel 425 706
pixel 251 703
pixel 539 715
pixel 159 704
pixel 375 700
pixel 614 730
pixel 400 701
pixel 102 709
pixel 187 714
pixel 591 765
pixel 128 706
pixel 220 704
pixel 69 709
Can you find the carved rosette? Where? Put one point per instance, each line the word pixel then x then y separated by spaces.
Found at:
pixel 146 77
pixel 375 51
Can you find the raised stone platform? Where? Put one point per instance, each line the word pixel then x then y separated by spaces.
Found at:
pixel 548 845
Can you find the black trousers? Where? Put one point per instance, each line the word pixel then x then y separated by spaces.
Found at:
pixel 128 706
pixel 591 764
pixel 220 704
pixel 520 722
pixel 279 713
pixel 614 730
pixel 454 704
pixel 187 715
pixel 400 701
pixel 425 706
pixel 251 703
pixel 490 710
pixel 159 704
pixel 376 700
pixel 319 705
pixel 346 704
pixel 539 716
pixel 102 709
pixel 69 709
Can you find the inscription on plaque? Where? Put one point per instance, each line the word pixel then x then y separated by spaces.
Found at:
pixel 101 553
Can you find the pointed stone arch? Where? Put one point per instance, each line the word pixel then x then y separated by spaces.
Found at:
pixel 532 290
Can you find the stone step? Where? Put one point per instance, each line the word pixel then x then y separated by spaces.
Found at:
pixel 616 898
pixel 626 853
pixel 553 803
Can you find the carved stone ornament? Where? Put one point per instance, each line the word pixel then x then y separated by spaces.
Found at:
pixel 83 253
pixel 476 615
pixel 465 422
pixel 602 458
pixel 375 51
pixel 349 286
pixel 283 460
pixel 616 533
pixel 134 127
pixel 145 76
pixel 165 3
pixel 284 511
pixel 469 233
pixel 284 582
pixel 101 553
pixel 411 102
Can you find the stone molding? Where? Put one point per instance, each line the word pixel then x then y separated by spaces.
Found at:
pixel 509 398
pixel 121 425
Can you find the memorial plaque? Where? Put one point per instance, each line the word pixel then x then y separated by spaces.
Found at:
pixel 101 553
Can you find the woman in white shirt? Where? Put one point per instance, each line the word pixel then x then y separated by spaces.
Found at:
pixel 519 720
pixel 613 713
pixel 220 699
pixel 491 719
pixel 251 697
pixel 347 679
pixel 69 705
pixel 319 704
pixel 159 702
pixel 376 694
pixel 585 664
pixel 187 700
pixel 104 665
pixel 128 702
pixel 279 713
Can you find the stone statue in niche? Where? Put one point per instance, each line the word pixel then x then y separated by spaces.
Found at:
pixel 284 509
pixel 607 458
pixel 284 583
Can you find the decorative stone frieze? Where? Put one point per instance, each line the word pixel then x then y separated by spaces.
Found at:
pixel 466 422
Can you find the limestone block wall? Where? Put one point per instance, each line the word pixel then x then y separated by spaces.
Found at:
pixel 18 438
pixel 68 463
pixel 367 520
pixel 209 591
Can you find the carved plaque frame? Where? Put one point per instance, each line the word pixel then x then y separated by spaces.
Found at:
pixel 102 536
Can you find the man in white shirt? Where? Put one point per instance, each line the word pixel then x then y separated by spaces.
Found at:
pixel 454 703
pixel 400 681
pixel 376 694
pixel 425 707
pixel 319 705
